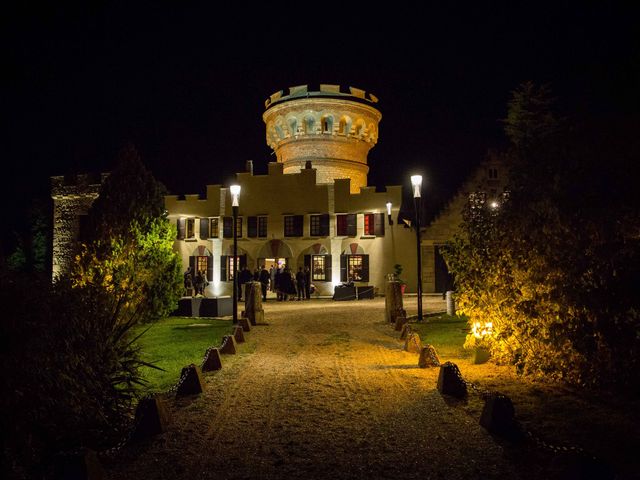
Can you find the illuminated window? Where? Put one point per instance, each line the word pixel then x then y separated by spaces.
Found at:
pixel 354 268
pixel 369 224
pixel 374 224
pixel 318 268
pixel 230 267
pixel 202 264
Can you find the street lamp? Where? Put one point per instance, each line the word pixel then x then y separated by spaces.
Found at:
pixel 416 181
pixel 389 213
pixel 235 194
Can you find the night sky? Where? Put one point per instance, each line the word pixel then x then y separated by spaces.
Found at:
pixel 187 85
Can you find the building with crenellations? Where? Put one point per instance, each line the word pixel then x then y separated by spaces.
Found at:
pixel 313 208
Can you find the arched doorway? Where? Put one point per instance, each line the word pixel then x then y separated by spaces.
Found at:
pixel 275 252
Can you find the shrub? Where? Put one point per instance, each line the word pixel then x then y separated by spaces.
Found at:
pixel 69 367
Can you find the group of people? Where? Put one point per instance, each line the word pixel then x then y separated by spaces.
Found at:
pixel 281 280
pixel 195 285
pixel 290 286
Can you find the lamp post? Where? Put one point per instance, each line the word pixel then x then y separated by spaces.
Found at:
pixel 416 181
pixel 235 194
pixel 389 213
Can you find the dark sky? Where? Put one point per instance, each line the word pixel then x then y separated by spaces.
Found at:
pixel 187 84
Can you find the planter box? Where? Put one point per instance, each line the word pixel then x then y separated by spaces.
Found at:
pixel 480 355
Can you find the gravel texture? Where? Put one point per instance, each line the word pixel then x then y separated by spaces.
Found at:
pixel 324 390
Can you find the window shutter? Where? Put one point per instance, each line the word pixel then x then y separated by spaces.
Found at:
pixel 379 225
pixel 181 228
pixel 324 225
pixel 227 227
pixel 343 268
pixel 192 264
pixel 307 262
pixel 351 225
pixel 365 268
pixel 252 227
pixel 327 268
pixel 204 228
pixel 223 268
pixel 298 221
pixel 243 262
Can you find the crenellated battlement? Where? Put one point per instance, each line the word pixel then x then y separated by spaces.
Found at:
pixel 69 186
pixel 326 90
pixel 333 129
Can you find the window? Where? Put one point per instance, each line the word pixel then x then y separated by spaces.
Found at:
pixel 227 227
pixel 226 266
pixel 346 225
pixel 319 266
pixel 191 228
pixel 368 224
pixel 374 224
pixel 256 227
pixel 293 225
pixel 262 227
pixel 202 264
pixel 252 227
pixel 181 224
pixel 319 225
pixel 204 228
pixel 493 173
pixel 213 228
pixel 354 268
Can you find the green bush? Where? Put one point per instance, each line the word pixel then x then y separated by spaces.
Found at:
pixel 69 370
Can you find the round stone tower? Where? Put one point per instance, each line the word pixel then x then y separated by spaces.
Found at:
pixel 332 129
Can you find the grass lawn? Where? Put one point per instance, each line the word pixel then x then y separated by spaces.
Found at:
pixel 175 342
pixel 446 333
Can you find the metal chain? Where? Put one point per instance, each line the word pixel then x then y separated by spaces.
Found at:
pixel 111 451
pixel 530 436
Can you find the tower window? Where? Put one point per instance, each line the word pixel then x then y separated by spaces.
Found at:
pixel 493 173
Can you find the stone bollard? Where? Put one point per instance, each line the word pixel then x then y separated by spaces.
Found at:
pixel 413 343
pixel 151 418
pixel 228 345
pixel 406 330
pixel 498 417
pixel 212 360
pixel 428 357
pixel 245 324
pixel 400 321
pixel 392 300
pixel 451 303
pixel 191 381
pixel 238 334
pixel 253 302
pixel 450 381
pixel 81 465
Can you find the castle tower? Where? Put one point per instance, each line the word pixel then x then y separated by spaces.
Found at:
pixel 72 198
pixel 332 129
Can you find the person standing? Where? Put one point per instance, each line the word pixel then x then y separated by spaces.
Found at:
pixel 307 283
pixel 300 286
pixel 265 277
pixel 199 283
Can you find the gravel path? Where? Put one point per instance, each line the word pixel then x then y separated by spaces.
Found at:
pixel 323 391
